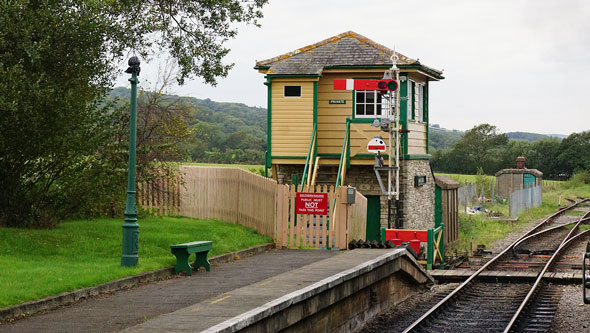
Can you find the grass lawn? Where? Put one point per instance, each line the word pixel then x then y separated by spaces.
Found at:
pixel 82 253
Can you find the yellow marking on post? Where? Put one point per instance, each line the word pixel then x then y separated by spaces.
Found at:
pixel 220 299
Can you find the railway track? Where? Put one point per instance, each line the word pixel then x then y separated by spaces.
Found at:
pixel 477 306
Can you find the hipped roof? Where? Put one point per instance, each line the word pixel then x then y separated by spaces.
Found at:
pixel 348 49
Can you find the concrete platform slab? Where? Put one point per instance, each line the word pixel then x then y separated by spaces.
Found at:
pixel 242 307
pixel 113 312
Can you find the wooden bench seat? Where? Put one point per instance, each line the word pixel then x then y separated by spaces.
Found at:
pixel 183 252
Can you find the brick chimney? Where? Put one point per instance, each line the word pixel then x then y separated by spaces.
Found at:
pixel 520 162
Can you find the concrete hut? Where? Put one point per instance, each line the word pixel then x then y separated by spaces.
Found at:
pixel 510 180
pixel 302 100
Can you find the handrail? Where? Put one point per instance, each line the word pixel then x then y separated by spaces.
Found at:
pixel 341 171
pixel 310 152
pixel 315 170
pixel 343 155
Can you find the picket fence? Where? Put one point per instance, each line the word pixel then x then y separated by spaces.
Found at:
pixel 343 223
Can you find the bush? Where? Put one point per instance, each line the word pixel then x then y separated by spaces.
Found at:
pixel 580 178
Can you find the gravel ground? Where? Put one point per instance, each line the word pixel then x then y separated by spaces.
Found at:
pixel 572 315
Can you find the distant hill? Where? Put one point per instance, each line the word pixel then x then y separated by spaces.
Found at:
pixel 531 137
pixel 442 138
pixel 224 132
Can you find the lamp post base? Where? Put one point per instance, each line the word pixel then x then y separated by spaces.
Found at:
pixel 130 244
pixel 129 260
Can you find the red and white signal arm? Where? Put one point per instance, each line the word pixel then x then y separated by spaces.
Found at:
pixel 363 84
pixel 376 145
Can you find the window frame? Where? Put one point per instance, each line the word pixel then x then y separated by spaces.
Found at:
pixel 375 103
pixel 292 85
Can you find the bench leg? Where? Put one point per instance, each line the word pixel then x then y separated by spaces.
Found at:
pixel 182 263
pixel 201 260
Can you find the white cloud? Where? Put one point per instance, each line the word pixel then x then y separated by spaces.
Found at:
pixel 520 65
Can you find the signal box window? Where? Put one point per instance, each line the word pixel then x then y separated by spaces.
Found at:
pixel 370 103
pixel 292 91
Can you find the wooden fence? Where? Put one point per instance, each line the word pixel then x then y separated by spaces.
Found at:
pixel 334 230
pixel 226 194
pixel 161 195
pixel 357 218
pixel 238 196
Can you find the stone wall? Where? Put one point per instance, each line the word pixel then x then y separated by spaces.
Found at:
pixel 418 202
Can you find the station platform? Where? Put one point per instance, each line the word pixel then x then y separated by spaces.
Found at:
pixel 235 295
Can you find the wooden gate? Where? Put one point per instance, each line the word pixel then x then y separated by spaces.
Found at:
pixel 305 230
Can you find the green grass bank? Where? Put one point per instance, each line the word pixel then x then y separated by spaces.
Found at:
pixel 77 254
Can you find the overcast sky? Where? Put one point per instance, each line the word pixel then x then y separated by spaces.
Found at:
pixel 520 65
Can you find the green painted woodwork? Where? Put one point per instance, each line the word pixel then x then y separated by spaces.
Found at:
pixel 310 154
pixel 373 217
pixel 426 117
pixel 315 104
pixel 268 84
pixel 413 106
pixel 295 179
pixel 416 157
pixel 315 115
pixel 383 234
pixel 403 112
pixel 433 234
pixel 362 120
pixel 129 256
pixel 528 180
pixel 437 207
pixel 183 252
pixel 344 145
pixel 400 66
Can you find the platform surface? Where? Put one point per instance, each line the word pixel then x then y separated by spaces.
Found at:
pixel 114 312
pixel 244 304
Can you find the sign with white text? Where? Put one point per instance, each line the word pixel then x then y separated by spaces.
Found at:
pixel 311 203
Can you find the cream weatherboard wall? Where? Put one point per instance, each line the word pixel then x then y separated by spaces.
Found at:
pixel 332 117
pixel 417 139
pixel 292 119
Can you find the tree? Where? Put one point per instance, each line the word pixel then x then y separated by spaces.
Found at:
pixel 58 58
pixel 575 153
pixel 479 147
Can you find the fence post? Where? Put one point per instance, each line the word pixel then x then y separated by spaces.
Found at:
pixel 442 247
pixel 430 249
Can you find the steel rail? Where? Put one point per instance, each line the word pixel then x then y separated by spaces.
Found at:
pixel 584 219
pixel 566 241
pixel 460 288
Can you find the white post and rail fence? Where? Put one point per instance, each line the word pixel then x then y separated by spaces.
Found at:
pixel 237 196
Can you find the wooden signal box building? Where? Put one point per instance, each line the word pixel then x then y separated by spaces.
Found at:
pixel 318 135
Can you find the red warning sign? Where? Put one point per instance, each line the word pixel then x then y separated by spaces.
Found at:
pixel 311 203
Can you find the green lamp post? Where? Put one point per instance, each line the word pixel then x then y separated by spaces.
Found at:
pixel 130 226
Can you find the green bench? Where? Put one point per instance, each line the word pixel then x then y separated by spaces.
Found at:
pixel 183 252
